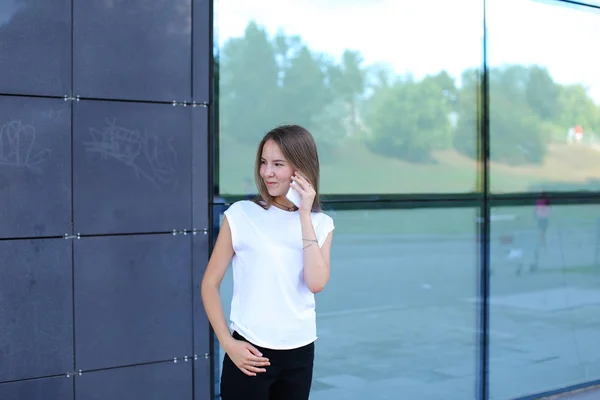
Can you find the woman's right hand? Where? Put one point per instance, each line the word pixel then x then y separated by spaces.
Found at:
pixel 246 357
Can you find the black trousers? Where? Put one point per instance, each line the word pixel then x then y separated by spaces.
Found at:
pixel 289 377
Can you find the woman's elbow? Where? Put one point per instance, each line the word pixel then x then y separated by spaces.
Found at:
pixel 208 286
pixel 317 285
pixel 316 288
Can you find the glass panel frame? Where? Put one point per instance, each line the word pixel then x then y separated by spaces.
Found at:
pixel 373 112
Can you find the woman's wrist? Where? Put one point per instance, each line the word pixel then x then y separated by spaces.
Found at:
pixel 226 342
pixel 305 216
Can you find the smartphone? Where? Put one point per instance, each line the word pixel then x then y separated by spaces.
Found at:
pixel 293 195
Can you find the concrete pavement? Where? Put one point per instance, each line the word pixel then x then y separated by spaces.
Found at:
pixel 583 394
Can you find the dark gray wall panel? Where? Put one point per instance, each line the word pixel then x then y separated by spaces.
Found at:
pixel 138 50
pixel 202 51
pixel 35 167
pixel 148 382
pixel 201 325
pixel 57 388
pixel 36 327
pixel 133 299
pixel 200 167
pixel 35 47
pixel 202 379
pixel 132 167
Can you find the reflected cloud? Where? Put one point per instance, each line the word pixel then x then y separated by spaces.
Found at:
pixel 373 28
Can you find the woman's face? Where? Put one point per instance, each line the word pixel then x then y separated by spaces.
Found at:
pixel 275 170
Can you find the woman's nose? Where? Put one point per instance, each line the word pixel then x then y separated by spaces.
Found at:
pixel 268 171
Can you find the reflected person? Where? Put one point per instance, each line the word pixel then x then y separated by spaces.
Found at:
pixel 542 214
pixel 280 257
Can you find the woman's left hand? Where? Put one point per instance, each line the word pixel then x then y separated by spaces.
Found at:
pixel 306 191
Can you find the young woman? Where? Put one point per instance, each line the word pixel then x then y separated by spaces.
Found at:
pixel 280 259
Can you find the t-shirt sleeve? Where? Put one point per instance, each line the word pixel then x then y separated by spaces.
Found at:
pixel 233 215
pixel 325 226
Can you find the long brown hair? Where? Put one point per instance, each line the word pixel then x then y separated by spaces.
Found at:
pixel 300 150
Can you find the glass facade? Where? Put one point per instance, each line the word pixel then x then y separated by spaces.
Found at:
pixel 459 147
pixel 544 94
pixel 355 83
pixel 395 319
pixel 544 298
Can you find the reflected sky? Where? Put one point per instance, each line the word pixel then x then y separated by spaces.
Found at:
pixel 555 35
pixel 427 37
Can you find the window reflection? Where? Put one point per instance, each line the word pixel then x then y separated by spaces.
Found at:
pixel 380 84
pixel 545 298
pixel 397 320
pixel 391 91
pixel 544 96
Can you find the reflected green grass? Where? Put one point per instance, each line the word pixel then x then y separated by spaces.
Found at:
pixel 352 168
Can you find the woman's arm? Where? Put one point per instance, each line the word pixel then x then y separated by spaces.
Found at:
pixel 211 283
pixel 316 259
pixel 245 356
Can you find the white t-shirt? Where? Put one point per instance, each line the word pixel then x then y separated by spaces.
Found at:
pixel 271 305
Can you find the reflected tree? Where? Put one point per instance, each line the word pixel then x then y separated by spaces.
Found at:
pixel 268 81
pixel 516 131
pixel 303 92
pixel 542 93
pixel 410 118
pixel 249 90
pixel 469 113
pixel 577 108
pixel 292 84
pixel 348 83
